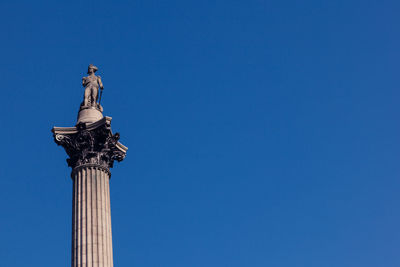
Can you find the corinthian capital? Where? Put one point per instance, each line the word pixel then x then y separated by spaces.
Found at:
pixel 90 144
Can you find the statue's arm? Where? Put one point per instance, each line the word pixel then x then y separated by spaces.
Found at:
pixel 83 81
pixel 100 83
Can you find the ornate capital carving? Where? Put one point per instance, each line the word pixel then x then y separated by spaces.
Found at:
pixel 90 144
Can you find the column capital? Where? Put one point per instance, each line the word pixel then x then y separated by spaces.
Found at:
pixel 91 144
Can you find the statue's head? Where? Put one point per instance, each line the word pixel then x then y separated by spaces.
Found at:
pixel 92 69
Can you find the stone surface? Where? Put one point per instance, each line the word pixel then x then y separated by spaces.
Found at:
pixel 89 114
pixel 91 218
pixel 92 149
pixel 92 83
pixel 90 143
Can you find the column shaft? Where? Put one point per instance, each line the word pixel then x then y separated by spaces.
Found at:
pixel 91 218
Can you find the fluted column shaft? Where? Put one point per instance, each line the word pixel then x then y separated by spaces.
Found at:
pixel 91 218
pixel 92 149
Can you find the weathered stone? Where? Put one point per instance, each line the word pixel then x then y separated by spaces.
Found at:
pixel 92 149
pixel 91 218
pixel 92 83
pixel 89 114
pixel 90 144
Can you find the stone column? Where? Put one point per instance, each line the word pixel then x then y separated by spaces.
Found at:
pixel 92 149
pixel 91 218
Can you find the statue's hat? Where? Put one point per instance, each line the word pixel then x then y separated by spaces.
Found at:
pixel 93 67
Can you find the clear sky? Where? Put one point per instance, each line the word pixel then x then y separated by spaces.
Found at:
pixel 260 133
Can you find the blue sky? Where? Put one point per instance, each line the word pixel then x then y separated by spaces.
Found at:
pixel 260 133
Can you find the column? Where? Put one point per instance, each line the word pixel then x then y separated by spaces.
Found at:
pixel 91 218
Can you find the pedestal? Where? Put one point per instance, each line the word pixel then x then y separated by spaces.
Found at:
pixel 89 114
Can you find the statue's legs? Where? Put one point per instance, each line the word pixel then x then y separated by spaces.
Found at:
pixel 94 94
pixel 90 98
pixel 86 99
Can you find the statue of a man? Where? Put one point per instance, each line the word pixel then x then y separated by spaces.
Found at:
pixel 92 83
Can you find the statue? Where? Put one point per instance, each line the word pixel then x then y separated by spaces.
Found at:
pixel 92 83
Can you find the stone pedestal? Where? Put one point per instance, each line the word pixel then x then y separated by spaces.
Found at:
pixel 92 149
pixel 89 114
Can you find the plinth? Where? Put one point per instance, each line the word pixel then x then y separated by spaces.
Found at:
pixel 92 149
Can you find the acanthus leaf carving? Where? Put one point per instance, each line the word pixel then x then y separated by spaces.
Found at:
pixel 97 147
